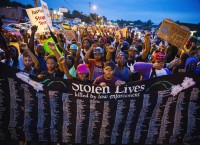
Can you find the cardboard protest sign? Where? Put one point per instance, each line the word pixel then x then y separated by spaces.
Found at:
pixel 123 30
pixel 47 49
pixel 37 17
pixel 173 33
pixel 70 35
pixel 46 13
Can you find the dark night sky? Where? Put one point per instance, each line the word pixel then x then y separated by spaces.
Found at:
pixel 155 10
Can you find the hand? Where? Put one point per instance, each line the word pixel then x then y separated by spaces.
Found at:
pixel 79 45
pixel 157 66
pixel 94 46
pixel 102 84
pixel 119 83
pixel 51 45
pixel 34 28
pixel 23 46
pixel 40 76
pixel 182 70
pixel 111 48
pixel 131 67
pixel 23 32
pixel 62 59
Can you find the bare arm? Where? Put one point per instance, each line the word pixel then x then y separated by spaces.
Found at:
pixel 34 59
pixel 76 62
pixel 147 47
pixel 31 42
pixel 60 45
pixel 87 55
pixel 109 53
pixel 52 46
pixel 62 61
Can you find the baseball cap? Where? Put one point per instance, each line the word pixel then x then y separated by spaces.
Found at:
pixel 132 47
pixel 73 47
pixel 110 64
pixel 121 54
pixel 159 56
pixel 82 68
pixel 98 50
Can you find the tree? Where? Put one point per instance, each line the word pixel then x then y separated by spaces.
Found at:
pixel 4 3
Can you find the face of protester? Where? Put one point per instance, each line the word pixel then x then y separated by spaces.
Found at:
pixel 40 50
pixel 108 72
pixel 132 53
pixel 51 64
pixel 13 52
pixel 27 61
pixel 101 42
pixel 121 60
pixel 121 41
pixel 86 44
pixel 159 65
pixel 73 52
pixel 82 76
pixel 198 54
pixel 69 62
pixel 117 37
pixel 97 56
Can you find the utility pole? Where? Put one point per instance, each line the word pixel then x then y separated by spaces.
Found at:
pixel 36 3
pixel 89 7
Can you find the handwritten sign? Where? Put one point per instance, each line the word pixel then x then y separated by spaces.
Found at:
pixel 37 17
pixel 46 13
pixel 173 33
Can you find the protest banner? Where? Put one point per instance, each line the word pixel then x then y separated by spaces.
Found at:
pixel 123 31
pixel 47 49
pixel 173 33
pixel 157 111
pixel 37 17
pixel 46 13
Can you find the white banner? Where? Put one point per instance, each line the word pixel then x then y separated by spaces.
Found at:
pixel 37 17
pixel 63 10
pixel 46 13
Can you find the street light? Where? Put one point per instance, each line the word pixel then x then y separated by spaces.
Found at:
pixel 94 7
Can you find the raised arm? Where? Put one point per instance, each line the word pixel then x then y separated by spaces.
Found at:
pixel 52 46
pixel 31 41
pixel 87 55
pixel 147 47
pixel 76 62
pixel 110 53
pixel 62 61
pixel 24 46
pixel 61 47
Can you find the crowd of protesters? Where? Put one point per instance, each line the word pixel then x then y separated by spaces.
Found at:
pixel 98 55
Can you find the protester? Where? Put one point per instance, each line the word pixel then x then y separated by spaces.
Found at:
pixel 2 54
pixel 52 68
pixel 28 60
pixel 11 56
pixel 149 70
pixel 82 71
pixel 108 77
pixel 95 65
pixel 121 71
pixel 181 64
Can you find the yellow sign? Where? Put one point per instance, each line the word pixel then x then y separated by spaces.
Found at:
pixel 123 31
